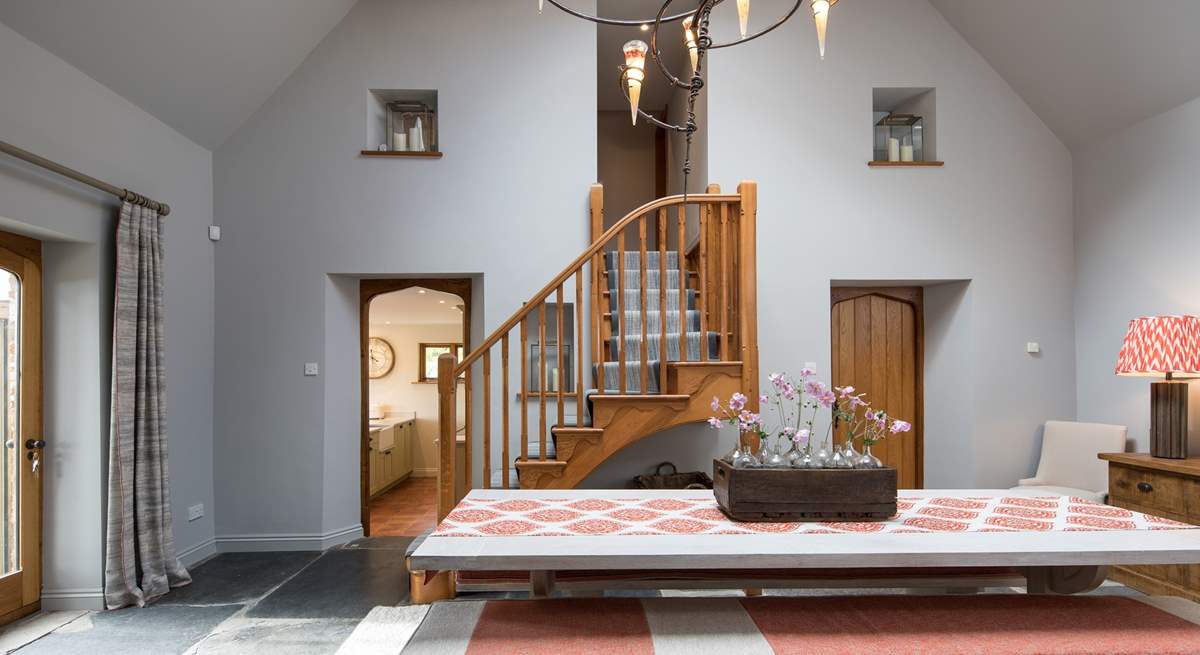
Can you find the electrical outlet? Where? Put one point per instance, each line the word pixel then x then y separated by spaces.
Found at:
pixel 195 512
pixel 311 369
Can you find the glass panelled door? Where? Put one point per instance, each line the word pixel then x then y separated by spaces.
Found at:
pixel 21 421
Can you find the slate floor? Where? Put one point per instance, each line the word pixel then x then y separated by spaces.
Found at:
pixel 263 603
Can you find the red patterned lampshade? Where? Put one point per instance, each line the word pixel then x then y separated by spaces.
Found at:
pixel 1161 345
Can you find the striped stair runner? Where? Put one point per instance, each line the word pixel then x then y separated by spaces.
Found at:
pixel 627 325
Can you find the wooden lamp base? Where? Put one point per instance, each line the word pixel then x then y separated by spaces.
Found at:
pixel 1169 419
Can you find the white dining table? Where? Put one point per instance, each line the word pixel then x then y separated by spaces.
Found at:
pixel 1063 561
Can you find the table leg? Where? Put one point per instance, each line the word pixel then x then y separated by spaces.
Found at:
pixel 429 588
pixel 1064 579
pixel 541 584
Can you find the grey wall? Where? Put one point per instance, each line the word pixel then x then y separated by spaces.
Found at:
pixel 52 109
pixel 999 214
pixel 625 164
pixel 1137 224
pixel 304 216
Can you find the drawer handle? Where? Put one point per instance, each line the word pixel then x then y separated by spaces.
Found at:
pixel 1145 487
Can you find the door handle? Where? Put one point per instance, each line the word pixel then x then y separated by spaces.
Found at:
pixel 35 443
pixel 1145 487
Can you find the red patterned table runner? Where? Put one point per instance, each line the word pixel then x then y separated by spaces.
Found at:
pixel 565 517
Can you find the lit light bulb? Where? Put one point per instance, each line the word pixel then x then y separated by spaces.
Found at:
pixel 689 40
pixel 541 3
pixel 744 16
pixel 820 9
pixel 635 73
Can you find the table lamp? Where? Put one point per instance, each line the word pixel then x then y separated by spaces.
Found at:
pixel 1168 347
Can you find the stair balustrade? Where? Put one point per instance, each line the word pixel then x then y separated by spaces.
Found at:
pixel 710 285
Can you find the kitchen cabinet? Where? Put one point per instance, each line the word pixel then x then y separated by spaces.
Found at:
pixel 390 467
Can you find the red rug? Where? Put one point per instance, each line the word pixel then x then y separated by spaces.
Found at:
pixel 992 624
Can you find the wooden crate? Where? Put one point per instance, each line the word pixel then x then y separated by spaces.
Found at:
pixel 805 494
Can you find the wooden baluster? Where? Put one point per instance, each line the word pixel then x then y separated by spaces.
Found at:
pixel 682 228
pixel 621 311
pixel 705 246
pixel 597 216
pixel 643 374
pixel 560 340
pixel 468 465
pixel 504 454
pixel 579 348
pixel 487 419
pixel 542 379
pixel 524 455
pixel 725 250
pixel 662 300
pixel 447 422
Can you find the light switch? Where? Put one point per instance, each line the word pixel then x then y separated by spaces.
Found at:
pixel 214 232
pixel 1033 347
pixel 311 369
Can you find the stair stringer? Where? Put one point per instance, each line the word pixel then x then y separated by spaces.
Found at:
pixel 628 419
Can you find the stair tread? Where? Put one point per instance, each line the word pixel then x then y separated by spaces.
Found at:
pixel 651 397
pixel 582 430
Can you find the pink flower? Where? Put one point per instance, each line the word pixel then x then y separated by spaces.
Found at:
pixel 737 401
pixel 814 388
pixel 714 423
pixel 900 426
pixel 763 398
pixel 788 431
pixel 827 399
pixel 802 435
pixel 857 401
pixel 789 392
pixel 807 372
pixel 777 379
pixel 844 391
pixel 716 404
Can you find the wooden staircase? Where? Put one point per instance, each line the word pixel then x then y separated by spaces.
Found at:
pixel 667 328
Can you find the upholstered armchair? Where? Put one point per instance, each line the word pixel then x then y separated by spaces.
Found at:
pixel 1069 464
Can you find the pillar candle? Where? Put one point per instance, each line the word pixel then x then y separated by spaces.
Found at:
pixel 399 141
pixel 906 152
pixel 893 149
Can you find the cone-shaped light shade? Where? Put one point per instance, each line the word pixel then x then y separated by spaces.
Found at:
pixel 821 17
pixel 541 3
pixel 744 16
pixel 689 40
pixel 635 73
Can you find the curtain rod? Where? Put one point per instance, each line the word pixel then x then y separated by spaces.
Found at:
pixel 124 194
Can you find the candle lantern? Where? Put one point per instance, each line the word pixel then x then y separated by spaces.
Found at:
pixel 411 126
pixel 900 137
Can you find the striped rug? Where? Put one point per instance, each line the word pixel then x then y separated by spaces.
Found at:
pixel 993 624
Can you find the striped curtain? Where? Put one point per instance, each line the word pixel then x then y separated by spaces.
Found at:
pixel 140 562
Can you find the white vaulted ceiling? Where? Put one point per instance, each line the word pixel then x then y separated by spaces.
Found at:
pixel 1087 67
pixel 201 66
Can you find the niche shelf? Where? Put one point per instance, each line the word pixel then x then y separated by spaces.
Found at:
pixel 912 131
pixel 397 153
pixel 402 123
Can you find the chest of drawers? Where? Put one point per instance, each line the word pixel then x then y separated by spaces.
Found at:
pixel 1165 487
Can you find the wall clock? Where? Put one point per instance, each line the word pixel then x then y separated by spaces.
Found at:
pixel 380 358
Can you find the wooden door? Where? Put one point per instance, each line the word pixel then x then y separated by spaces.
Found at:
pixel 877 349
pixel 21 448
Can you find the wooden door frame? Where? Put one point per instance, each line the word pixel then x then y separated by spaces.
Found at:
pixel 368 289
pixel 914 296
pixel 27 266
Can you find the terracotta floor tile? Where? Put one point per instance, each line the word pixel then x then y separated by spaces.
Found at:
pixel 406 510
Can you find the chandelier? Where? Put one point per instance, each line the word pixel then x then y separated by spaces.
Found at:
pixel 697 42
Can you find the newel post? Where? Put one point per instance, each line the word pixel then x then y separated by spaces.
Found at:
pixel 447 441
pixel 748 289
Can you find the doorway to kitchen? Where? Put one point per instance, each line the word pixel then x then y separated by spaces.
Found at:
pixel 406 324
